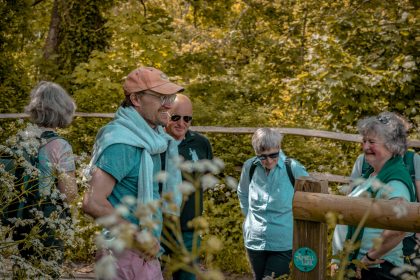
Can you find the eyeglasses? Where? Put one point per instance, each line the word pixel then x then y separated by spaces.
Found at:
pixel 264 156
pixel 383 119
pixel 164 99
pixel 176 118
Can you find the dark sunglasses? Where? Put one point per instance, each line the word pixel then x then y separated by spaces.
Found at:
pixel 264 157
pixel 176 118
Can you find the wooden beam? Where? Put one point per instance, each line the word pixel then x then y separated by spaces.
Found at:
pixel 330 177
pixel 315 206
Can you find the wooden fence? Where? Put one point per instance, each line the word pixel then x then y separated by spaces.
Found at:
pixel 241 130
pixel 249 130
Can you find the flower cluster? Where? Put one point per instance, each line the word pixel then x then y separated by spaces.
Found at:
pixel 35 226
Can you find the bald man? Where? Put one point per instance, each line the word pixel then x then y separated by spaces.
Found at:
pixel 193 147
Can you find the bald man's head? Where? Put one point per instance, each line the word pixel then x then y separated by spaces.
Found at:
pixel 181 116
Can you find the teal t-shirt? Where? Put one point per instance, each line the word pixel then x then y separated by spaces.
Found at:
pixel 122 162
pixel 396 189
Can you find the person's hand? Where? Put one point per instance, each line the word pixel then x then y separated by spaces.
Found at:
pixel 147 249
pixel 333 269
pixel 367 263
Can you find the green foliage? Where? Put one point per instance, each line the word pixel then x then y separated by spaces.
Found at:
pixel 228 228
pixel 80 30
pixel 361 62
pixel 13 77
pixel 82 133
pixel 136 40
pixel 307 64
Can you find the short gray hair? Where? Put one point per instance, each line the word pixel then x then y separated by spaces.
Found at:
pixel 50 106
pixel 388 126
pixel 265 139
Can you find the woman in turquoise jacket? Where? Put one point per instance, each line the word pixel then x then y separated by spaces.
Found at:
pixel 266 192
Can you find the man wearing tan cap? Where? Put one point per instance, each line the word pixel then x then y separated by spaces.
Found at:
pixel 128 153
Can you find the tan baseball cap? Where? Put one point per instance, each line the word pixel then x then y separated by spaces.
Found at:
pixel 149 78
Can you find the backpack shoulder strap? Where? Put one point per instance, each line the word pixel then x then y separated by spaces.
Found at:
pixel 252 169
pixel 288 163
pixel 50 135
pixel 409 163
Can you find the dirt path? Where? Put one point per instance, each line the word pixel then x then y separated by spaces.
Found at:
pixel 86 272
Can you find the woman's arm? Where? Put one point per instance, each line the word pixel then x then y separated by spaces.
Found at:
pixel 243 190
pixel 390 239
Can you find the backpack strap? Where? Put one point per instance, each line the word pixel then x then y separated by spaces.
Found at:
pixel 288 163
pixel 50 135
pixel 409 164
pixel 252 169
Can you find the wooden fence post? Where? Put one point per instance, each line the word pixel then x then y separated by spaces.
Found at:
pixel 312 235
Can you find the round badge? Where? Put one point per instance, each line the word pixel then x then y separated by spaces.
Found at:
pixel 305 259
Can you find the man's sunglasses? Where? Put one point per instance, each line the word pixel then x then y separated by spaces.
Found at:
pixel 264 157
pixel 176 118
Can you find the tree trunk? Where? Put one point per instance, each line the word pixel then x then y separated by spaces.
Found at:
pixel 51 43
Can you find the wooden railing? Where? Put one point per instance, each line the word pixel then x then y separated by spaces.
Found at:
pixel 241 130
pixel 249 130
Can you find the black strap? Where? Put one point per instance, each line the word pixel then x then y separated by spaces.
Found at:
pixel 162 165
pixel 49 134
pixel 287 162
pixel 252 169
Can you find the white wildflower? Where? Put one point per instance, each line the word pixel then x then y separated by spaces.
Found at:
pixel 121 210
pixel 129 200
pixel 208 181
pixel 231 182
pixel 144 237
pixel 201 165
pixel 187 166
pixel 105 268
pixel 117 245
pixel 186 188
pixel 108 220
pixel 400 210
pixel 177 161
pixel 161 177
pixel 219 163
pixel 154 205
pixel 214 244
pixel 405 268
